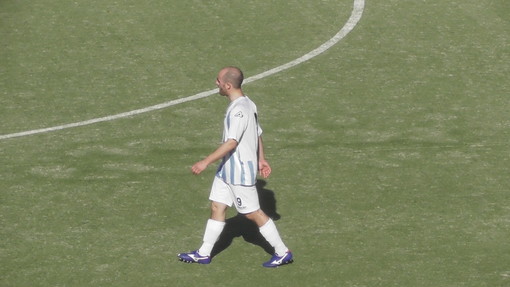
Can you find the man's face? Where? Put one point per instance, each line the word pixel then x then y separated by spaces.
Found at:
pixel 222 86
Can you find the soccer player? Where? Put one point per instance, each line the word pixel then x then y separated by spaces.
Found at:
pixel 242 154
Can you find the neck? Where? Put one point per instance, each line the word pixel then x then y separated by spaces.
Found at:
pixel 235 95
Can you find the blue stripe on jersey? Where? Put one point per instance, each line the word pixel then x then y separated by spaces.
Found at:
pixel 221 172
pixel 253 172
pixel 243 175
pixel 232 170
pixel 224 175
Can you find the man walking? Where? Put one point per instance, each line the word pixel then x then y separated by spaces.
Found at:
pixel 242 154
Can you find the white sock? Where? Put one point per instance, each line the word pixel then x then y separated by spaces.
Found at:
pixel 272 236
pixel 212 232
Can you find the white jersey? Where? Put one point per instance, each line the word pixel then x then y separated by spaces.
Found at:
pixel 240 166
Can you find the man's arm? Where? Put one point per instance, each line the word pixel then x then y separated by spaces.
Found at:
pixel 264 167
pixel 219 153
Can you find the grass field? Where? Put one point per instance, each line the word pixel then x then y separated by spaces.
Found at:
pixel 390 151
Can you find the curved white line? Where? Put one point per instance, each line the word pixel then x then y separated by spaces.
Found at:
pixel 353 20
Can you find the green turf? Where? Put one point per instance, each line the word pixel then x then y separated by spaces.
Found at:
pixel 390 151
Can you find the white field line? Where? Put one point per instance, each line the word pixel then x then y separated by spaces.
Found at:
pixel 353 20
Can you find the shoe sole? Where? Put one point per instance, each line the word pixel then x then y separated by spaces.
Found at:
pixel 283 263
pixel 191 261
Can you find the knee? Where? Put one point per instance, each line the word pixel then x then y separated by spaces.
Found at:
pixel 259 217
pixel 254 215
pixel 218 211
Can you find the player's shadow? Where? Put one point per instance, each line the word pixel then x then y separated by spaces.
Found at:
pixel 239 225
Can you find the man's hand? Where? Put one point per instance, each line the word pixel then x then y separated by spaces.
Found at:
pixel 264 168
pixel 198 167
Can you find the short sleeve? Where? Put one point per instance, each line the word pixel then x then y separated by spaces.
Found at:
pixel 238 121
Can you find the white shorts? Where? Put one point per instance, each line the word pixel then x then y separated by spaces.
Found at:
pixel 246 198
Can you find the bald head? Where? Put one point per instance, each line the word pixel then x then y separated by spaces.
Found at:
pixel 233 76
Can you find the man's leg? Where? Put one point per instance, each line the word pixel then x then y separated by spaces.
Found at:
pixel 213 228
pixel 248 204
pixel 268 230
pixel 221 198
